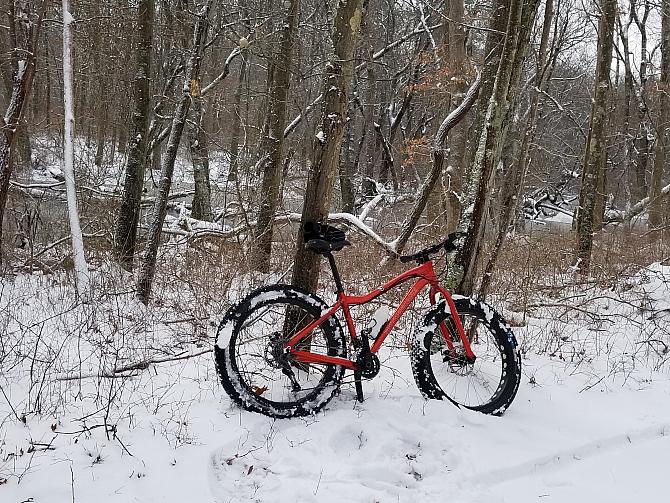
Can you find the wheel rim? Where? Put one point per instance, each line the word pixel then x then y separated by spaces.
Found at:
pixel 473 385
pixel 261 364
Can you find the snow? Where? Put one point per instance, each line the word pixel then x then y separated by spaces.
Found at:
pixel 590 423
pixel 321 136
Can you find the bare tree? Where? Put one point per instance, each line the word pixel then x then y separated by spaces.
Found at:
pixel 25 19
pixel 190 89
pixel 80 267
pixel 595 156
pixel 512 185
pixel 328 139
pixel 478 189
pixel 129 212
pixel 657 204
pixel 274 140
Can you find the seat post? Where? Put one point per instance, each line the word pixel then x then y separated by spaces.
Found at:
pixel 336 274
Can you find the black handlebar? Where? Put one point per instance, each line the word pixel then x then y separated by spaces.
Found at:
pixel 422 256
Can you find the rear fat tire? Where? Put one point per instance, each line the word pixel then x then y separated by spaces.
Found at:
pixel 510 374
pixel 227 366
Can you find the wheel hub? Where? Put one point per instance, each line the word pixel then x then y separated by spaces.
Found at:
pixel 275 354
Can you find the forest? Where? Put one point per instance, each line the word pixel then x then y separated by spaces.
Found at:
pixel 163 164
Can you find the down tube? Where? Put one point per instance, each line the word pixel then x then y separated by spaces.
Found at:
pixel 409 298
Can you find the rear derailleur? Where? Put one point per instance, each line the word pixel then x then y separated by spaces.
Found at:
pixel 278 357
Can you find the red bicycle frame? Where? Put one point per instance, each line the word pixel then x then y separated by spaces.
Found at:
pixel 425 276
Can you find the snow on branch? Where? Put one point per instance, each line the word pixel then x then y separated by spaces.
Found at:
pixel 614 216
pixel 224 73
pixel 417 31
pixel 294 123
pixel 192 229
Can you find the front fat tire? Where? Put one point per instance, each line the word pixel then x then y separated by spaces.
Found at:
pixel 227 365
pixel 496 327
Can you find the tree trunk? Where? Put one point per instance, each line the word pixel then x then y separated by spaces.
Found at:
pixel 237 121
pixel 24 37
pixel 129 212
pixel 656 205
pixel 347 193
pixel 328 142
pixel 201 208
pixel 80 267
pixel 595 156
pixel 458 139
pixel 514 181
pixel 191 88
pixel 102 137
pixel 274 141
pixel 478 186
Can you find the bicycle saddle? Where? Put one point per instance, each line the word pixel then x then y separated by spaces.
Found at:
pixel 323 238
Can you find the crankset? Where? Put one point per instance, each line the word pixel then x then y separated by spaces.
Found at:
pixel 368 364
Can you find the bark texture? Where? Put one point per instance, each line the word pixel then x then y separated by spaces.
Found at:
pixel 24 38
pixel 328 139
pixel 274 141
pixel 201 208
pixel 514 181
pixel 125 237
pixel 595 156
pixel 656 201
pixel 478 186
pixel 191 89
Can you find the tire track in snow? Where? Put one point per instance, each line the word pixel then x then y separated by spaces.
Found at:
pixel 567 457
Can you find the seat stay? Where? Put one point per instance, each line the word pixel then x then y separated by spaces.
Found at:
pixel 308 329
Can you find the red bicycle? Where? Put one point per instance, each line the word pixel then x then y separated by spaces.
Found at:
pixel 281 351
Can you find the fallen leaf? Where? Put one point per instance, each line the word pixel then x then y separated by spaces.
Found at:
pixel 250 469
pixel 260 391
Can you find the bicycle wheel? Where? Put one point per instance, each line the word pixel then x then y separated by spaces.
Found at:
pixel 254 368
pixel 490 383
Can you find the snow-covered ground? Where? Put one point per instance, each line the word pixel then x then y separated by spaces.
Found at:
pixel 591 422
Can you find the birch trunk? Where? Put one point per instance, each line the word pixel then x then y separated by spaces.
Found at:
pixel 328 140
pixel 190 89
pixel 80 267
pixel 595 155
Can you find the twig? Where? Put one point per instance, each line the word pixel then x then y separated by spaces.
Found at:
pixel 72 481
pixel 9 403
pixel 120 372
